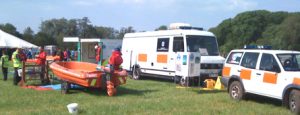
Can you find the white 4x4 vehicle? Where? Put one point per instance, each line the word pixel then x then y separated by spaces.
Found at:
pixel 271 73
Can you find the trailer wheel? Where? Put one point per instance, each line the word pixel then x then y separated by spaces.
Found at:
pixel 136 73
pixel 294 101
pixel 65 86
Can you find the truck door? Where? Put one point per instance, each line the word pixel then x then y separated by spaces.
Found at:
pixel 269 77
pixel 160 62
pixel 178 46
pixel 248 71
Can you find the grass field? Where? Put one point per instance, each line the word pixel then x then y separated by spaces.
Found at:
pixel 148 96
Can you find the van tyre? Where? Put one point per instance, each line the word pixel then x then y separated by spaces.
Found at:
pixel 136 73
pixel 236 91
pixel 177 79
pixel 183 82
pixel 294 101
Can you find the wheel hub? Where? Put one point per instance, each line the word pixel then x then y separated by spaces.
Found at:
pixel 235 91
pixel 293 105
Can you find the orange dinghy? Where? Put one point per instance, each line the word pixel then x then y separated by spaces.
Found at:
pixel 84 74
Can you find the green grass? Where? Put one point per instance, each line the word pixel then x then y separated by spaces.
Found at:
pixel 148 96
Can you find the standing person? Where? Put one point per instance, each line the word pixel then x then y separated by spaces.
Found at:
pixel 60 53
pixel 16 64
pixel 69 54
pixel 29 54
pixel 66 55
pixel 115 59
pixel 72 55
pixel 98 53
pixel 41 60
pixel 5 62
pixel 22 55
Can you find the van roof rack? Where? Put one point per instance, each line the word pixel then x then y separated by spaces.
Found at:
pixel 190 28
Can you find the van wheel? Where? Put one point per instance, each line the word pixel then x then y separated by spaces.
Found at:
pixel 294 101
pixel 177 79
pixel 136 73
pixel 236 91
pixel 183 81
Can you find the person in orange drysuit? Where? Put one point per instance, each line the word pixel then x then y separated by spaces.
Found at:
pixel 98 53
pixel 115 59
pixel 41 60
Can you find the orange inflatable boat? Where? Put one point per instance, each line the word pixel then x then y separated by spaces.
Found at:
pixel 86 74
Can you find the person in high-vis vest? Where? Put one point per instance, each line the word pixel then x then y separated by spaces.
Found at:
pixel 5 63
pixel 16 64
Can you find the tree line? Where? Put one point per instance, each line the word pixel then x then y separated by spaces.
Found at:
pixel 51 32
pixel 279 29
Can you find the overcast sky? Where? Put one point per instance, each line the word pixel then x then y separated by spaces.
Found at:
pixel 141 14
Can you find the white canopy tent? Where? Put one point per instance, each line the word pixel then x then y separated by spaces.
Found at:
pixel 10 41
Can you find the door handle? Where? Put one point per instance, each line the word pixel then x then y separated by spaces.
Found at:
pixel 239 70
pixel 258 74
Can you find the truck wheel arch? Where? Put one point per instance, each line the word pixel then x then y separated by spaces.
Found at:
pixel 234 78
pixel 286 92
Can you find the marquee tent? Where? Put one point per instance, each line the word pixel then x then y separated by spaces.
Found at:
pixel 10 41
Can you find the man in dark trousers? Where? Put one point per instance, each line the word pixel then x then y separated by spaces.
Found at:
pixel 16 64
pixel 41 60
pixel 5 63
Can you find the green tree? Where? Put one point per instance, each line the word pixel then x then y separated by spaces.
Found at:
pixel 11 29
pixel 28 34
pixel 42 39
pixel 162 27
pixel 124 30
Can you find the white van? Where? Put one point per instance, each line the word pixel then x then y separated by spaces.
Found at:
pixel 172 53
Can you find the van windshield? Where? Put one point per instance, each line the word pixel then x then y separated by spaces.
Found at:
pixel 207 45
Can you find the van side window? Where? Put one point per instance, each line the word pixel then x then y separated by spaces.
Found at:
pixel 163 44
pixel 234 58
pixel 249 60
pixel 268 63
pixel 178 44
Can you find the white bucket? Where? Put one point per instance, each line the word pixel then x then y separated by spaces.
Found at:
pixel 73 108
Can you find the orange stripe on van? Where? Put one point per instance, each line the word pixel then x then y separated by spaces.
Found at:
pixel 270 78
pixel 142 57
pixel 296 81
pixel 226 71
pixel 162 58
pixel 245 74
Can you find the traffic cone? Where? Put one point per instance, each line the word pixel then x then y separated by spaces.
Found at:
pixel 218 84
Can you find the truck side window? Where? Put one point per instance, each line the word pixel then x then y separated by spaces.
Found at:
pixel 234 58
pixel 178 44
pixel 250 60
pixel 268 63
pixel 163 44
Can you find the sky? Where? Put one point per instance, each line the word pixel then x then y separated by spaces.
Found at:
pixel 142 15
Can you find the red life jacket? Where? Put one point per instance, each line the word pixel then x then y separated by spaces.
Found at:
pixel 41 59
pixel 116 60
